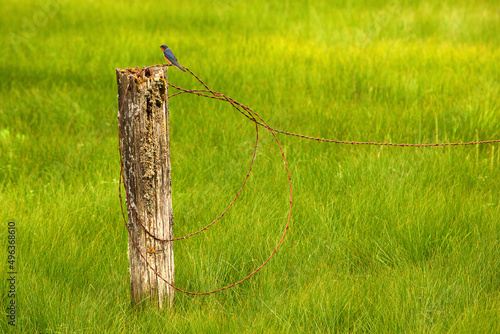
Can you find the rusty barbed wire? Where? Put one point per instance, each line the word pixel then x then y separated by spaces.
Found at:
pixel 223 97
pixel 253 116
pixel 122 179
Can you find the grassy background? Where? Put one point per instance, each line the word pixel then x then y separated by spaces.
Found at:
pixel 381 240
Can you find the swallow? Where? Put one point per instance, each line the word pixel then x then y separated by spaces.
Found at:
pixel 169 56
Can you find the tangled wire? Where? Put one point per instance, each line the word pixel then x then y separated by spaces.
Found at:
pixel 259 122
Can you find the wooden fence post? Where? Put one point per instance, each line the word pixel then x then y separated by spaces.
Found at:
pixel 145 148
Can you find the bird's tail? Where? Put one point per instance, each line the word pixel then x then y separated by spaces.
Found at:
pixel 179 66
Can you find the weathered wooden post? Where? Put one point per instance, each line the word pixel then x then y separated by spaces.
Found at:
pixel 143 125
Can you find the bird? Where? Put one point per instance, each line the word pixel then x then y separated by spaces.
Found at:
pixel 169 56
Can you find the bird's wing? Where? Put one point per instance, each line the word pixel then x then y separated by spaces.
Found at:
pixel 170 55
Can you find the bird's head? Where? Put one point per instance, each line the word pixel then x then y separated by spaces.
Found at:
pixel 163 47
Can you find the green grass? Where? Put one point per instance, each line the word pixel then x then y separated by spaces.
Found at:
pixel 382 240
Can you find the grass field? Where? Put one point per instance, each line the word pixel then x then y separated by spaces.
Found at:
pixel 382 240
